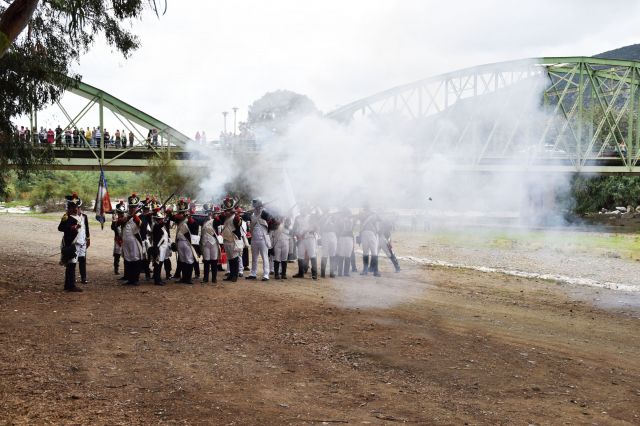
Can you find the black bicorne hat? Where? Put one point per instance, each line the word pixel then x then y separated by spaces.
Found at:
pixel 73 200
pixel 133 200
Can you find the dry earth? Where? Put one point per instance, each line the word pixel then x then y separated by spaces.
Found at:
pixel 426 346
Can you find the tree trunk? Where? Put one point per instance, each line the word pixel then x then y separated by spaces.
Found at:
pixel 13 21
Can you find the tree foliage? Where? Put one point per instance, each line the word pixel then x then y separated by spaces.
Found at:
pixel 36 69
pixel 275 111
pixel 591 194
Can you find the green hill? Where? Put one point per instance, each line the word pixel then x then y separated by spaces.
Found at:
pixel 631 53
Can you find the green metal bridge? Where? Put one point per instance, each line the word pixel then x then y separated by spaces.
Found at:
pixel 566 114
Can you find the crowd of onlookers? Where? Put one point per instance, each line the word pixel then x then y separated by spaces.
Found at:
pixel 76 138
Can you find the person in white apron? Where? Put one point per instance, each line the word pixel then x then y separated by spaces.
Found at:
pixel 329 248
pixel 306 236
pixel 345 241
pixel 186 255
pixel 280 242
pixel 132 251
pixel 232 237
pixel 260 240
pixel 210 244
pixel 369 241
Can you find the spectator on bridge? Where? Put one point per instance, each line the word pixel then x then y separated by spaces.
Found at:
pixel 98 137
pixel 27 135
pixel 76 137
pixel 154 136
pixel 198 138
pixel 21 134
pixel 131 138
pixel 623 149
pixel 59 135
pixel 107 138
pixel 50 137
pixel 92 137
pixel 67 137
pixel 117 138
pixel 42 136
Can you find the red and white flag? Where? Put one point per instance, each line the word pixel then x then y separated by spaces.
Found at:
pixel 103 202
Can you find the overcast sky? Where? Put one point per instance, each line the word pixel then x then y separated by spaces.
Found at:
pixel 206 56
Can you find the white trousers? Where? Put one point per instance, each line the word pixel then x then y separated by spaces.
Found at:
pixel 210 251
pixel 281 250
pixel 345 246
pixel 259 248
pixel 329 244
pixel 369 241
pixel 307 246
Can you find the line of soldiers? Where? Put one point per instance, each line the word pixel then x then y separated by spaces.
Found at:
pixel 225 234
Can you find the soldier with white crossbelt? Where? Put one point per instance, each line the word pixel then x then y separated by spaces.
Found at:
pixel 369 241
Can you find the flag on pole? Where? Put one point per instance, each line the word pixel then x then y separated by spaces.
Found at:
pixel 103 203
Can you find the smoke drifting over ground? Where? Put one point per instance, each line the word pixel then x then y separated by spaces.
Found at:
pixel 392 162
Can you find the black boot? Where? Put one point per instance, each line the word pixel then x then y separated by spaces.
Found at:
pixel 147 270
pixel 314 268
pixel 374 266
pixel 127 272
pixel 365 265
pixel 300 273
pixel 136 269
pixel 323 266
pixel 234 265
pixel 347 264
pixel 157 274
pixel 306 265
pixel 70 278
pixel 332 266
pixel 116 264
pixel 187 272
pixel 276 270
pixel 167 269
pixel 339 264
pixel 82 264
pixel 196 268
pixel 284 270
pixel 207 268
pixel 214 270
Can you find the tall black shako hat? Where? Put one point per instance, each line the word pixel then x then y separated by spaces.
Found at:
pixel 183 205
pixel 229 203
pixel 133 200
pixel 73 200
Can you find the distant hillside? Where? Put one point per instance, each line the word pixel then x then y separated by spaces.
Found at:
pixel 631 53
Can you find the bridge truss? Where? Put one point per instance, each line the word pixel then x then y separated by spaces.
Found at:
pixel 569 114
pixel 94 154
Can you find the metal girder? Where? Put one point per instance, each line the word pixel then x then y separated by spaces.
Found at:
pixel 587 114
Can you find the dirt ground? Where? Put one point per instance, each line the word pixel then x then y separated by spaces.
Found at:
pixel 425 346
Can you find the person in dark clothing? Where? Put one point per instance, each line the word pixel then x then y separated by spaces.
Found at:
pixel 75 239
pixel 160 246
pixel 120 211
pixel 194 228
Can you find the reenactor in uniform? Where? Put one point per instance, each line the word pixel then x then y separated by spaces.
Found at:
pixel 82 250
pixel 304 228
pixel 145 233
pixel 345 226
pixel 369 241
pixel 329 247
pixel 280 240
pixel 209 243
pixel 231 236
pixel 132 250
pixel 259 221
pixel 186 252
pixel 160 248
pixel 75 240
pixel 119 213
pixel 194 229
